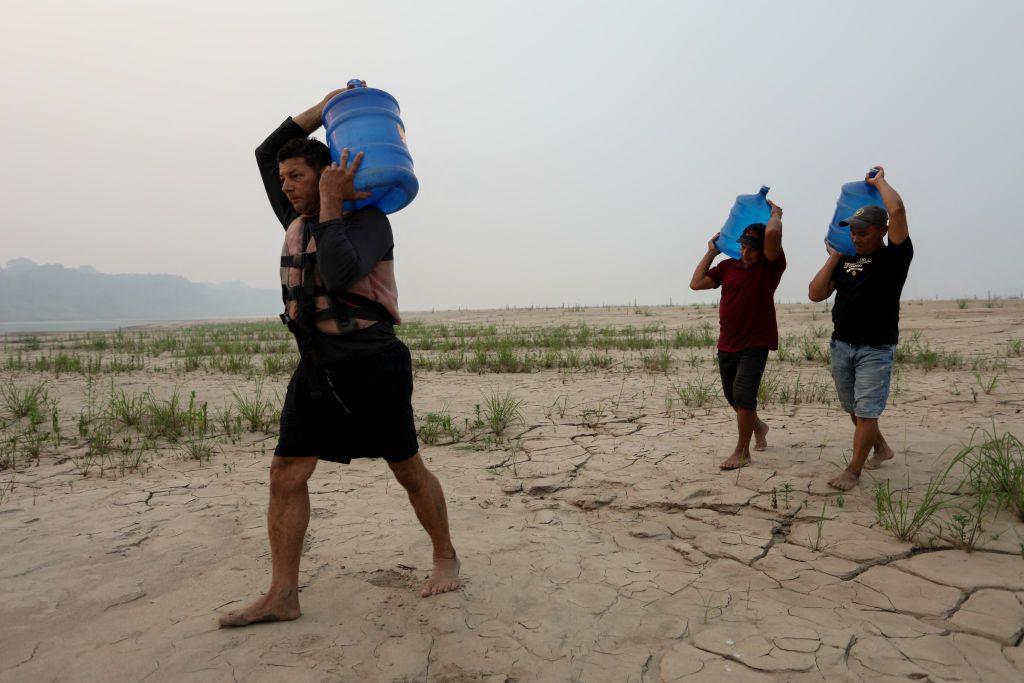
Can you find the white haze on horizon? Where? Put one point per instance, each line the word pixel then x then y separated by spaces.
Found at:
pixel 569 152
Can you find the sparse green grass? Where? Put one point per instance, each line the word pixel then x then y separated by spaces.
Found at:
pixel 166 419
pixel 659 360
pixel 768 390
pixel 500 411
pixel 254 409
pixel 199 450
pixel 128 409
pixel 902 516
pixel 21 402
pixel 436 424
pixel 995 466
pixel 697 392
pixel 987 384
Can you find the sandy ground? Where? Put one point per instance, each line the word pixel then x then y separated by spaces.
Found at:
pixel 614 549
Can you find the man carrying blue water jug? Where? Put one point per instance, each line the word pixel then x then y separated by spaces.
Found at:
pixel 747 325
pixel 351 394
pixel 866 318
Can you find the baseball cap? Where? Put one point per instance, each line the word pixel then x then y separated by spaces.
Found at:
pixel 753 236
pixel 866 216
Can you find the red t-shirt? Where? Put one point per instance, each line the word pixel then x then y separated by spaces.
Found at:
pixel 746 315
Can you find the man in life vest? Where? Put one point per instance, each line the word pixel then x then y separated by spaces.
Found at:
pixel 351 394
pixel 747 324
pixel 866 319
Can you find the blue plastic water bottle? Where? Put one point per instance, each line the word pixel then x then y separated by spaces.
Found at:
pixel 852 197
pixel 368 120
pixel 749 208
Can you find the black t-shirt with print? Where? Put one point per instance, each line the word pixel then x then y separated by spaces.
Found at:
pixel 868 289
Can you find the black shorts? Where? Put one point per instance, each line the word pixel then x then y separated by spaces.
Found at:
pixel 357 409
pixel 741 375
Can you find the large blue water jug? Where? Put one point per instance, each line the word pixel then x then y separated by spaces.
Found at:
pixel 368 120
pixel 749 208
pixel 852 196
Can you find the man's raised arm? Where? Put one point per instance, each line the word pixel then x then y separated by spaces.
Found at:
pixel 700 279
pixel 299 126
pixel 898 228
pixel 822 285
pixel 773 233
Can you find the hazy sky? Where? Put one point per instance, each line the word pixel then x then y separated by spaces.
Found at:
pixel 567 152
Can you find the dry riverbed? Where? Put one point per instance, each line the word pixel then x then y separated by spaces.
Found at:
pixel 578 448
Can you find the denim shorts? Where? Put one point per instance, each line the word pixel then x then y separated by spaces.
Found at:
pixel 862 373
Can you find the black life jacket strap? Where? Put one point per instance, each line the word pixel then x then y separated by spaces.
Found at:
pixel 302 260
pixel 296 293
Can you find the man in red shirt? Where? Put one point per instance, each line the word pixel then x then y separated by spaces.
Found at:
pixel 747 323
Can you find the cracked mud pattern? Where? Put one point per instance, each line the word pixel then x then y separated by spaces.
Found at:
pixel 611 550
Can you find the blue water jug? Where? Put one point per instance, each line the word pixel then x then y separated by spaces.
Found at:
pixel 749 208
pixel 851 197
pixel 367 120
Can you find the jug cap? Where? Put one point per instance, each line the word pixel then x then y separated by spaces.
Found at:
pixel 356 83
pixel 764 190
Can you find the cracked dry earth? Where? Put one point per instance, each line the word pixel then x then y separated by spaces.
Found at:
pixel 614 550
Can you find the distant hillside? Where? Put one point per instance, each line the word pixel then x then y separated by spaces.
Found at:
pixel 30 292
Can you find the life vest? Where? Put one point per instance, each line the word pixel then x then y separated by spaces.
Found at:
pixel 308 306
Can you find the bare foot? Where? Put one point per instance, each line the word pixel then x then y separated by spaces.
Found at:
pixel 760 436
pixel 283 606
pixel 735 461
pixel 845 481
pixel 878 457
pixel 443 578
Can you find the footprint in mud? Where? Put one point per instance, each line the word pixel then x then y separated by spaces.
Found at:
pixel 392 578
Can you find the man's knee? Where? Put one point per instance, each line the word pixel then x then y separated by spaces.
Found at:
pixel 288 475
pixel 411 473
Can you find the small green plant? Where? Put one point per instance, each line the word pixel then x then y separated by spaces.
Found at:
pixel 711 611
pixel 130 456
pixel 769 388
pixel 437 423
pixel 128 409
pixel 253 410
pixel 787 488
pixel 500 411
pixel 21 402
pixel 987 385
pixel 897 512
pixel 9 453
pixel 165 419
pixel 697 393
pixel 964 529
pixel 961 303
pixel 820 524
pixel 34 439
pixel 199 450
pixel 559 407
pixel 995 466
pixel 659 360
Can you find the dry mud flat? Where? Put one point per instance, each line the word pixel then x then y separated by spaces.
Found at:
pixel 599 540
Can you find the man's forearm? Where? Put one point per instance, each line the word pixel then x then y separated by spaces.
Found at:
pixel 702 268
pixel 331 206
pixel 890 197
pixel 312 118
pixel 819 289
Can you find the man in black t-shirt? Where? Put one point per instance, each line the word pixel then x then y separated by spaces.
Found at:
pixel 866 317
